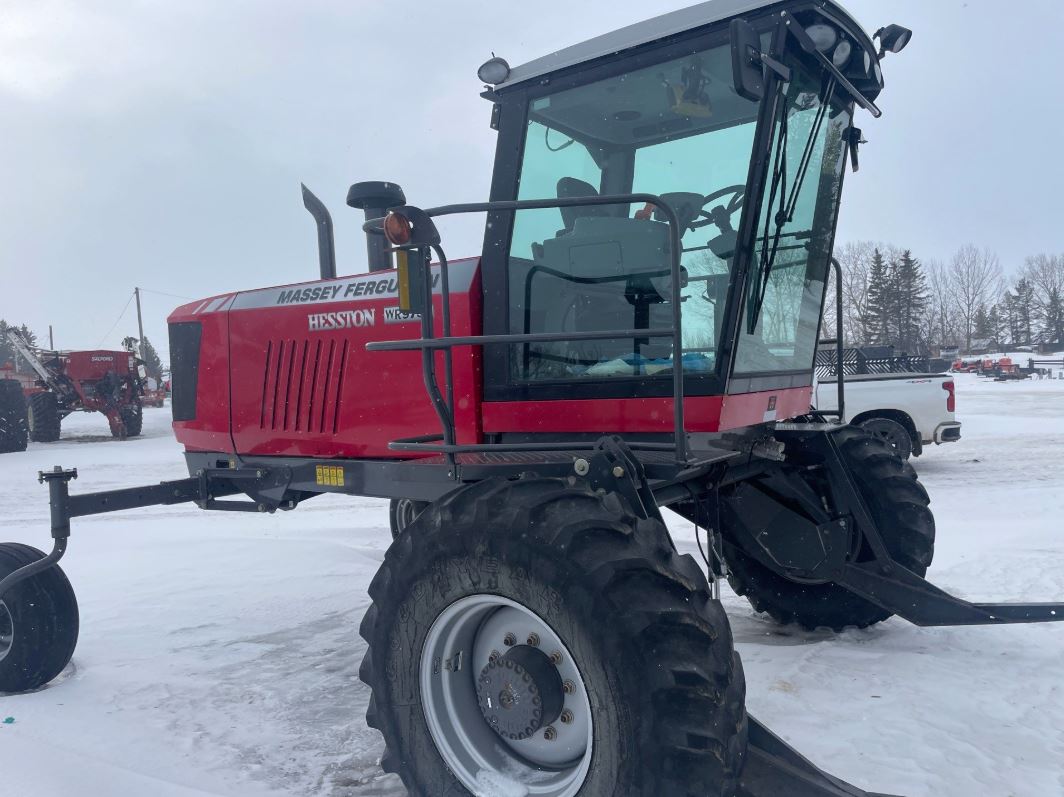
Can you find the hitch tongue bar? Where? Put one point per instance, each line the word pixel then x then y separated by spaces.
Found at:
pixel 775 769
pixel 58 481
pixel 904 593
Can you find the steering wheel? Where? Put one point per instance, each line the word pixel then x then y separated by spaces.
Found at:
pixel 722 213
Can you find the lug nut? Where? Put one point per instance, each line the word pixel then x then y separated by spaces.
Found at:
pixel 550 734
pixel 509 640
pixel 494 656
pixel 533 640
pixel 556 658
pixel 567 716
pixel 568 687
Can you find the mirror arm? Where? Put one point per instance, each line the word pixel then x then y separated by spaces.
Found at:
pixel 782 70
pixel 807 44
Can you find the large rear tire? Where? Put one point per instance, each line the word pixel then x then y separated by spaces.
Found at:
pixel 38 622
pixel 133 418
pixel 13 430
pixel 44 421
pixel 500 577
pixel 899 507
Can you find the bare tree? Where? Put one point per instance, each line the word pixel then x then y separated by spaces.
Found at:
pixel 941 313
pixel 1045 273
pixel 975 282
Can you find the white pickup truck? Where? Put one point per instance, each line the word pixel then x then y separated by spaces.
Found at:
pixel 908 411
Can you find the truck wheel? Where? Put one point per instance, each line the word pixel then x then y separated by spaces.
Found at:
pixel 44 420
pixel 13 431
pixel 38 622
pixel 537 632
pixel 898 505
pixel 892 433
pixel 133 418
pixel 402 512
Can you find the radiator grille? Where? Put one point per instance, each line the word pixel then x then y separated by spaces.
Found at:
pixel 302 385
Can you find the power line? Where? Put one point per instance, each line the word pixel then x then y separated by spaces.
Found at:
pixel 171 295
pixel 117 320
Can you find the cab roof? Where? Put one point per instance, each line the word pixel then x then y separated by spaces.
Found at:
pixel 651 30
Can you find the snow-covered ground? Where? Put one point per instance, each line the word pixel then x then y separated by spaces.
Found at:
pixel 219 652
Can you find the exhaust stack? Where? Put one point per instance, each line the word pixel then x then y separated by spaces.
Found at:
pixel 375 198
pixel 323 221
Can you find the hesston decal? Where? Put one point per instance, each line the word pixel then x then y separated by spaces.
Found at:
pixel 341 319
pixel 386 286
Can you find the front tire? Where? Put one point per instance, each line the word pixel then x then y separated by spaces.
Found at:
pixel 898 505
pixel 654 680
pixel 44 421
pixel 38 622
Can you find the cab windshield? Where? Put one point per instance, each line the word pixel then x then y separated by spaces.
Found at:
pixel 676 129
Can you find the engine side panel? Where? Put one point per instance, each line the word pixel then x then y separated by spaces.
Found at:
pixel 199 365
pixel 303 384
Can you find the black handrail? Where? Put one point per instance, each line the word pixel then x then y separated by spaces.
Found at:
pixel 429 341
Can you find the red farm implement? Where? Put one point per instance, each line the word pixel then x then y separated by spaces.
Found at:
pixel 104 381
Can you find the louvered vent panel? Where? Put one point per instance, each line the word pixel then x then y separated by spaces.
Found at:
pixel 302 385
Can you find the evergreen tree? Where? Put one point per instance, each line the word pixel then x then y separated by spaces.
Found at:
pixel 1008 310
pixel 8 355
pixel 911 302
pixel 880 305
pixel 152 364
pixel 1053 317
pixel 1025 311
pixel 981 324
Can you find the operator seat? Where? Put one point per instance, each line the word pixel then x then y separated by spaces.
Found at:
pixel 569 187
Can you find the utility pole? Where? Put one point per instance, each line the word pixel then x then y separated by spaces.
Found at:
pixel 140 324
pixel 51 341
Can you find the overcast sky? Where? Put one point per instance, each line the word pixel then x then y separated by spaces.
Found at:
pixel 162 144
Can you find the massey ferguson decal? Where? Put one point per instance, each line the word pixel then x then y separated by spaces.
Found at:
pixel 342 319
pixel 364 287
pixel 388 286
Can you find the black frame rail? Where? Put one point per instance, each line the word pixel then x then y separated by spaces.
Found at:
pixel 426 239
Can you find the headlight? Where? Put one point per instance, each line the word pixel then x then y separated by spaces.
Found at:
pixel 823 36
pixel 842 54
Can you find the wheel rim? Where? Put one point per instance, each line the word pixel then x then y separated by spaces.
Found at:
pixel 461 644
pixel 405 513
pixel 888 435
pixel 7 631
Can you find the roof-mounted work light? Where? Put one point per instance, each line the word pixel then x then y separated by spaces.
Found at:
pixel 892 39
pixel 494 71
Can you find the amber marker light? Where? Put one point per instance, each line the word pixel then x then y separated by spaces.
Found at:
pixel 397 229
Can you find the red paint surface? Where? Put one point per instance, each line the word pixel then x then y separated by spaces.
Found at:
pixel 270 385
pixel 701 413
pixel 285 390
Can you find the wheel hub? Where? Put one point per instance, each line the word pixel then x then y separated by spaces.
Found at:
pixel 519 693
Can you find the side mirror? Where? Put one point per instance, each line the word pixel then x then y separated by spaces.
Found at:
pixel 748 73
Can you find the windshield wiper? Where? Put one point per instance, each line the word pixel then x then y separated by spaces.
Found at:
pixel 788 199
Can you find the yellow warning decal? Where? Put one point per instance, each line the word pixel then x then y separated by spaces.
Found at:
pixel 329 475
